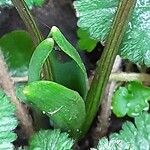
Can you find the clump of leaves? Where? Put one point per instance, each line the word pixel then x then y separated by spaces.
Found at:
pixel 50 139
pixel 96 17
pixel 8 123
pixel 133 137
pixel 131 100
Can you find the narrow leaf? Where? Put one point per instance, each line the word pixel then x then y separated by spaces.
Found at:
pixel 41 53
pixel 67 48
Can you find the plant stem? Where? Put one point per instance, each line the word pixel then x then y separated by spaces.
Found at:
pixel 123 76
pixel 28 20
pixel 105 64
pixel 119 77
pixel 21 110
pixel 35 33
pixel 37 37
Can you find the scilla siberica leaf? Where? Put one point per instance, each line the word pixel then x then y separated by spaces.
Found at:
pixel 65 107
pixel 96 16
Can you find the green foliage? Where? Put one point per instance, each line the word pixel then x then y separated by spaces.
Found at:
pixel 65 107
pixel 17 47
pixel 131 137
pixel 70 72
pixel 85 42
pixel 131 100
pixel 8 123
pixel 38 58
pixel 75 69
pixel 30 3
pixel 51 140
pixel 97 16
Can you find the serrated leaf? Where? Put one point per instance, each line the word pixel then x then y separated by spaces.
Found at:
pixel 131 100
pixel 65 107
pixel 17 47
pixel 8 123
pixel 51 140
pixel 96 16
pixel 131 137
pixel 30 3
pixel 85 42
pixel 113 144
pixel 75 70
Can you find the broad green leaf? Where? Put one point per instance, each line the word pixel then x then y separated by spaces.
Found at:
pixel 85 42
pixel 78 68
pixel 131 100
pixel 17 47
pixel 8 123
pixel 96 16
pixel 131 137
pixel 30 3
pixel 65 107
pixel 50 140
pixel 40 55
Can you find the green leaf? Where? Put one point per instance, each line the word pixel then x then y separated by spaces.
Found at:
pixel 39 56
pixel 50 140
pixel 8 123
pixel 131 137
pixel 85 42
pixel 97 16
pixel 131 100
pixel 77 74
pixel 113 144
pixel 65 107
pixel 30 3
pixel 17 47
pixel 66 64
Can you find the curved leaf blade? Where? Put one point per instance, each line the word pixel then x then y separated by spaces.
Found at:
pixel 65 107
pixel 38 58
pixel 67 48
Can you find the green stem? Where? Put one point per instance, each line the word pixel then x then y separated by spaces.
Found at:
pixel 35 33
pixel 105 65
pixel 26 16
pixel 28 20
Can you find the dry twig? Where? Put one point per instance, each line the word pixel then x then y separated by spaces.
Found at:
pixel 8 86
